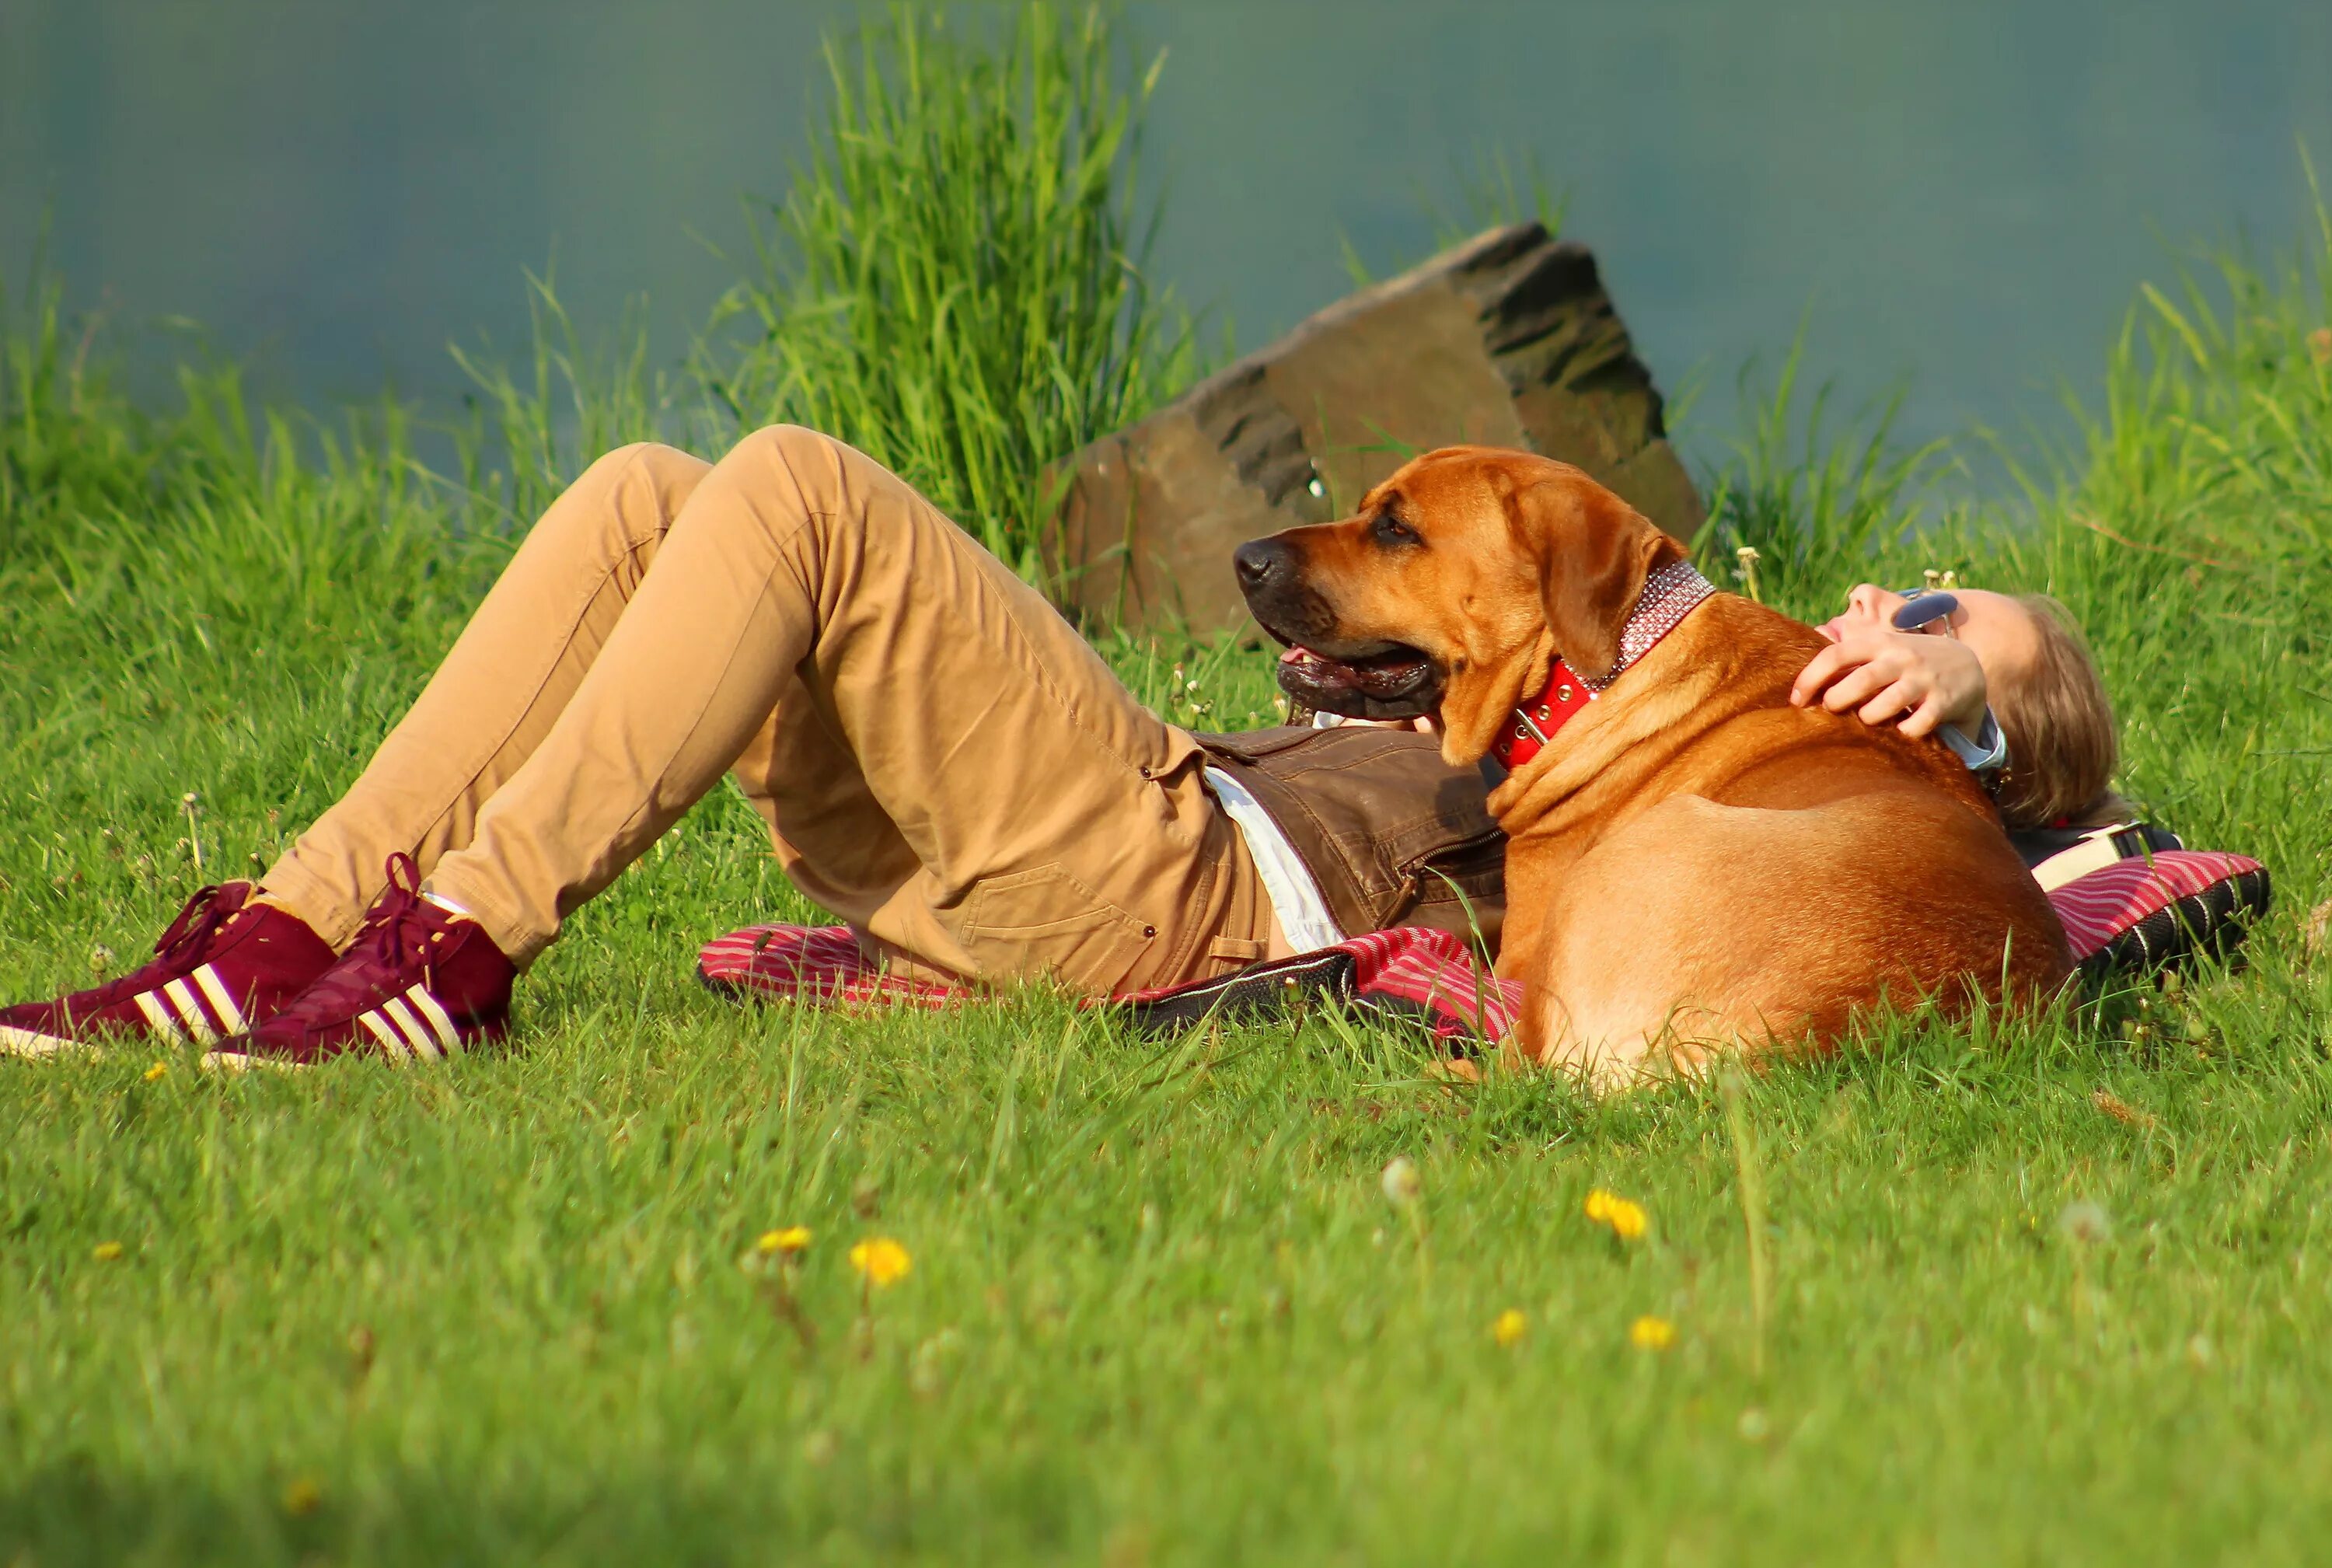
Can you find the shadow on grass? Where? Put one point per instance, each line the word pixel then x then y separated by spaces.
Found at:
pixel 674 1510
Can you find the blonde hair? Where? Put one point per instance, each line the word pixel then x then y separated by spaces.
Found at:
pixel 2062 748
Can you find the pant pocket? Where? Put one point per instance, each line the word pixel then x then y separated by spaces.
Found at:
pixel 1044 924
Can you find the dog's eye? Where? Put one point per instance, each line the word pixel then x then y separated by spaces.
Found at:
pixel 1389 529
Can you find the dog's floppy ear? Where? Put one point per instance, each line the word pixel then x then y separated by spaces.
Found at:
pixel 1578 556
pixel 1485 684
pixel 1593 552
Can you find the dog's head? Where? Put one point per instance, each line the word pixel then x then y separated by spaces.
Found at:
pixel 1453 589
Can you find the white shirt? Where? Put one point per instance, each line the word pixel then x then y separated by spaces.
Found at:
pixel 1287 881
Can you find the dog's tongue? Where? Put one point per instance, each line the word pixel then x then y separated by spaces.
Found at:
pixel 1391 661
pixel 1392 657
pixel 1396 683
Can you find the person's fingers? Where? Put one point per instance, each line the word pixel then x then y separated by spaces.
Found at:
pixel 1929 716
pixel 1900 697
pixel 1827 666
pixel 1857 687
pixel 1819 671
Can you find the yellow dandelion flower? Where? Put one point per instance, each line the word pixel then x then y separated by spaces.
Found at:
pixel 1623 1217
pixel 106 1251
pixel 158 1070
pixel 1508 1328
pixel 301 1496
pixel 1650 1333
pixel 790 1239
pixel 881 1260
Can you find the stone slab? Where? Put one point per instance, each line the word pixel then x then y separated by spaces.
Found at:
pixel 1509 339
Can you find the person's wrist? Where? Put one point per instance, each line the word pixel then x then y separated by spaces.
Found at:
pixel 1966 715
pixel 1973 702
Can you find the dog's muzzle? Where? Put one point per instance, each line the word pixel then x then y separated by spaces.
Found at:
pixel 1373 678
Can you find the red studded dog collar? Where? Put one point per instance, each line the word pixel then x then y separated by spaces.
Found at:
pixel 1671 593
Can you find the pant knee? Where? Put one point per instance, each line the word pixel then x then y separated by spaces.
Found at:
pixel 792 445
pixel 626 498
pixel 809 464
pixel 663 465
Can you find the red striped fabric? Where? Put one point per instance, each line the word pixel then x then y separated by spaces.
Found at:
pixel 822 966
pixel 2100 906
pixel 818 964
pixel 1435 970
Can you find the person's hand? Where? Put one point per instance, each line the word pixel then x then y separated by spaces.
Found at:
pixel 1883 675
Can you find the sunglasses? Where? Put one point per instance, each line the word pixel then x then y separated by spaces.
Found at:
pixel 1924 608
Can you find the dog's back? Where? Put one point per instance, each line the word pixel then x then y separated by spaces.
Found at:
pixel 1712 865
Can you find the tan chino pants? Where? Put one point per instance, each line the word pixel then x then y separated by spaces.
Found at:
pixel 942 760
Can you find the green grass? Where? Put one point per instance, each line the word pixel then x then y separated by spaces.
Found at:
pixel 956 279
pixel 1160 1311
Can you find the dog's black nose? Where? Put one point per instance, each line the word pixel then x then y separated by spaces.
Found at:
pixel 1263 563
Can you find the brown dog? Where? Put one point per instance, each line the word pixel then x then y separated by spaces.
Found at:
pixel 1693 864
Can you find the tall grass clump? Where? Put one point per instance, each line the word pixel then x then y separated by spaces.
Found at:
pixel 2188 526
pixel 956 282
pixel 526 433
pixel 2213 450
pixel 69 440
pixel 1816 497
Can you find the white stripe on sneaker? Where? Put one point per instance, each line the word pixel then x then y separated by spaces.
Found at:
pixel 429 1008
pixel 17 1042
pixel 390 1041
pixel 158 1020
pixel 220 1002
pixel 181 996
pixel 424 1047
pixel 242 1062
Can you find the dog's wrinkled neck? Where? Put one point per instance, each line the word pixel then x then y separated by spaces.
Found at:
pixel 1562 693
pixel 1539 791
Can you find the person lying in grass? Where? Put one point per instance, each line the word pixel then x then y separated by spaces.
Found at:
pixel 941 760
pixel 2017 657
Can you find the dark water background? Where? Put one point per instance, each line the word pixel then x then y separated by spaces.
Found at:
pixel 1967 193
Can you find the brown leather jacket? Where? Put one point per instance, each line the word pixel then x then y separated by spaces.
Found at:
pixel 1393 834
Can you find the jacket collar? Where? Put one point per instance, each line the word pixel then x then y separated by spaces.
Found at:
pixel 1670 593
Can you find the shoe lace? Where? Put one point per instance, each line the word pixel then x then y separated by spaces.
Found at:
pixel 390 933
pixel 190 934
pixel 209 908
pixel 391 938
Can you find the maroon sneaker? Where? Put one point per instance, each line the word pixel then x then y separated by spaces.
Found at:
pixel 419 982
pixel 225 965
